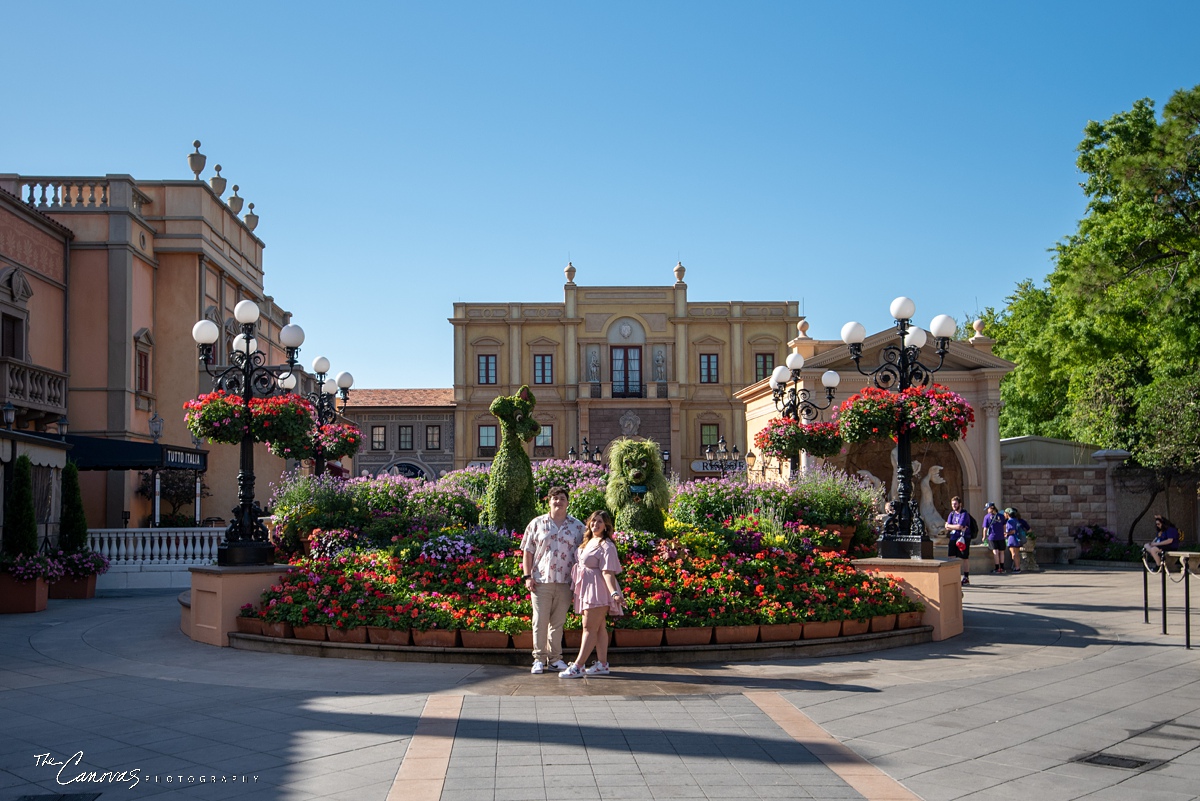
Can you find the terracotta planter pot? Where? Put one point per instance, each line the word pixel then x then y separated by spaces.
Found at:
pixel 347 635
pixel 313 631
pixel 853 627
pixel 780 632
pixel 639 638
pixel 523 641
pixel 74 588
pixel 19 597
pixel 845 532
pixel 280 630
pixel 572 638
pixel 735 634
pixel 883 623
pixel 695 635
pixel 436 638
pixel 822 630
pixel 484 639
pixel 381 636
pixel 249 625
pixel 909 620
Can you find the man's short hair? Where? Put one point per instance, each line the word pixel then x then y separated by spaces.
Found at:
pixel 550 493
pixel 956 498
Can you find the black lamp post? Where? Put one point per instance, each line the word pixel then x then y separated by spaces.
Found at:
pixel 322 401
pixel 725 459
pixel 904 534
pixel 247 375
pixel 795 402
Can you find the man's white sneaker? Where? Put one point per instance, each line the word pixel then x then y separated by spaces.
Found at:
pixel 538 667
pixel 558 664
pixel 597 669
pixel 573 672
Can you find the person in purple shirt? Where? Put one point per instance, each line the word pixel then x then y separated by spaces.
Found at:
pixel 993 532
pixel 958 531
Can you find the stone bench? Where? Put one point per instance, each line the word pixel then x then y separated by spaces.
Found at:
pixel 1057 553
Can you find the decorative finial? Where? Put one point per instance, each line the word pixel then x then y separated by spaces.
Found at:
pixel 978 326
pixel 196 160
pixel 217 182
pixel 802 329
pixel 251 219
pixel 569 271
pixel 235 202
pixel 679 272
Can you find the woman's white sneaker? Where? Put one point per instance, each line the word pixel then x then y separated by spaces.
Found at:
pixel 573 672
pixel 597 669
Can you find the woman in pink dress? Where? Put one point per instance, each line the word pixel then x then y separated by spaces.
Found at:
pixel 596 594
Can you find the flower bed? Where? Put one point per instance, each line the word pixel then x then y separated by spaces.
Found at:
pixel 450 581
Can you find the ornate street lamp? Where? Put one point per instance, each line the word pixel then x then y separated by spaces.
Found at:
pixel 904 534
pixel 795 402
pixel 247 375
pixel 322 401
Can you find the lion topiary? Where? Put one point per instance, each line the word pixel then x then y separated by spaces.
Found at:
pixel 510 501
pixel 637 489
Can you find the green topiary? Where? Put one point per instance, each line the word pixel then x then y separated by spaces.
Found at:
pixel 20 519
pixel 73 528
pixel 637 489
pixel 510 501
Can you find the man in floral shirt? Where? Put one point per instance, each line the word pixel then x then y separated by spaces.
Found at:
pixel 547 552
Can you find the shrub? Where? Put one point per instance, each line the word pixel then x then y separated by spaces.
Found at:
pixel 474 480
pixel 73 528
pixel 20 518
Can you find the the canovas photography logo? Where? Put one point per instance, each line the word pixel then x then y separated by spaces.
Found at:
pixel 73 771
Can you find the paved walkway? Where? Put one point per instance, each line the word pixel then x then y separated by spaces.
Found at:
pixel 1054 668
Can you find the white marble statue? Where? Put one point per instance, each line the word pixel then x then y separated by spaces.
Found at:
pixel 935 524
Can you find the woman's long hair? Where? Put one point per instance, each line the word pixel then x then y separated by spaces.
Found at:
pixel 605 518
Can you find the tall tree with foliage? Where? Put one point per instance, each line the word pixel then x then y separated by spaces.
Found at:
pixel 1107 351
pixel 20 518
pixel 73 527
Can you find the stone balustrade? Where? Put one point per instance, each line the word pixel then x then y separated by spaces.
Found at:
pixel 33 387
pixel 156 546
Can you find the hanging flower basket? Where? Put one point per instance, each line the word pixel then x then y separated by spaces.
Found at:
pixel 930 414
pixel 338 440
pixel 821 439
pixel 217 417
pixel 781 438
pixel 869 414
pixel 935 414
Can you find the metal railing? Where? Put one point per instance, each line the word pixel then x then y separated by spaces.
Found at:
pixel 157 546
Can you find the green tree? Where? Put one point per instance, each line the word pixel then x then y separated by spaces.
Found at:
pixel 20 519
pixel 1121 310
pixel 177 489
pixel 73 527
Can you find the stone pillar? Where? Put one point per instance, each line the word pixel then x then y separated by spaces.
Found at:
pixel 993 478
pixel 1111 459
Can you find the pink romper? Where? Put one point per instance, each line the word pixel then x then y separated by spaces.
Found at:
pixel 588 574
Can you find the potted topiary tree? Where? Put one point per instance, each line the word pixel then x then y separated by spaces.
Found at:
pixel 81 565
pixel 24 572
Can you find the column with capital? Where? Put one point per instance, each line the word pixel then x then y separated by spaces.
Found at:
pixel 991 453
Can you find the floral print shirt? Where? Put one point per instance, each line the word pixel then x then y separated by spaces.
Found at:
pixel 553 548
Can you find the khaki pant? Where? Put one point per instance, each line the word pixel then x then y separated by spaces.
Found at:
pixel 551 602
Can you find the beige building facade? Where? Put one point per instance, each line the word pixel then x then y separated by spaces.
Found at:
pixel 612 361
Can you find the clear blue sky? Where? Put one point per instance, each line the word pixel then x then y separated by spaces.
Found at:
pixel 406 156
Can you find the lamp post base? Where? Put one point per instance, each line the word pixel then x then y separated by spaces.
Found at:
pixel 905 549
pixel 232 554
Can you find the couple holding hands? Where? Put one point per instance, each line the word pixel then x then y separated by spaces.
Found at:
pixel 564 560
